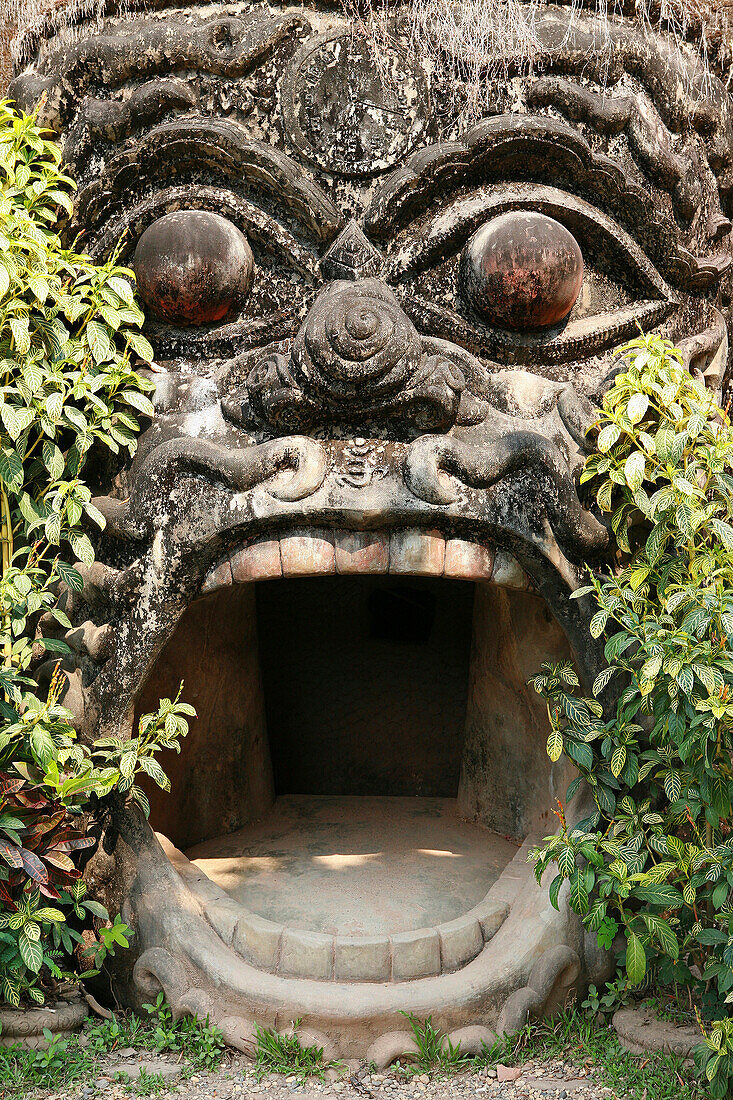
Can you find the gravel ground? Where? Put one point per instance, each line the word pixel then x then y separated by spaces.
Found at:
pixel 235 1080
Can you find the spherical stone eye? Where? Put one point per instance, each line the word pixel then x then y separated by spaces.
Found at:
pixel 193 268
pixel 522 270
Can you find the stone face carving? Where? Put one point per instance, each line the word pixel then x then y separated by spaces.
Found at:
pixel 352 399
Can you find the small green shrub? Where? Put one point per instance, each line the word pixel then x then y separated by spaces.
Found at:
pixel 200 1042
pixel 654 861
pixel 69 392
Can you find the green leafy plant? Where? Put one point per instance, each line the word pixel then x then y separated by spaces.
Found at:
pixel 604 1002
pixel 199 1040
pixel 70 393
pixel 118 761
pixel 714 1058
pixel 654 860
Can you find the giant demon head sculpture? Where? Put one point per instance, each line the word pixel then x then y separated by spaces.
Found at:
pixel 380 333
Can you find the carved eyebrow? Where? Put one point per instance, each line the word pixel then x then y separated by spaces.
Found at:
pixel 194 144
pixel 682 89
pixel 649 139
pixel 226 46
pixel 114 119
pixel 523 148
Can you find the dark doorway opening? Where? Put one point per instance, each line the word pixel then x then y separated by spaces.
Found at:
pixel 365 683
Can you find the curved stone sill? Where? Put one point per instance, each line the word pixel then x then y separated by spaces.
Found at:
pixel 400 957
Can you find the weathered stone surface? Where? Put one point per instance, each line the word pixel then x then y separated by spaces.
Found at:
pixel 257 938
pixel 491 915
pixel 473 1041
pixel 223 915
pixel 508 1073
pixel 218 577
pixel 361 552
pixel 364 410
pixel 308 553
pixel 460 941
pixel 133 1070
pixel 25 1026
pixel 388 1048
pixel 507 572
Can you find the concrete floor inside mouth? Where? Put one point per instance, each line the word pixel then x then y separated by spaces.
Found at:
pixel 357 865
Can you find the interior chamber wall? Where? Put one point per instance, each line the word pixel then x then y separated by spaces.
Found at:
pixel 358 685
pixel 365 683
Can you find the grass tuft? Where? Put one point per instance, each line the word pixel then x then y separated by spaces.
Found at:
pixel 66 1062
pixel 279 1053
pixel 436 1053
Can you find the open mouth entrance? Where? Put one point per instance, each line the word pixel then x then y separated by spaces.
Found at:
pixel 365 764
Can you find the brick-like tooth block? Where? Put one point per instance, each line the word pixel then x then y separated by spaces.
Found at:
pixel 415 954
pixel 416 553
pixel 308 553
pixel 257 562
pixel 460 941
pixel 223 914
pixel 362 552
pixel 306 954
pixel 218 577
pixel 468 560
pixel 491 916
pixel 361 959
pixel 258 939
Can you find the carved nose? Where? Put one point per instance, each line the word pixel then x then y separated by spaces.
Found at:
pixel 361 322
pixel 356 336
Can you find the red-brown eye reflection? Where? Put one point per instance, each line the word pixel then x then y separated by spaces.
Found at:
pixel 522 270
pixel 193 268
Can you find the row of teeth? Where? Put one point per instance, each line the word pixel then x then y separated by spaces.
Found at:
pixel 403 552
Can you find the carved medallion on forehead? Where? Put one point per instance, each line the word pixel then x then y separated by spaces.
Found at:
pixel 349 114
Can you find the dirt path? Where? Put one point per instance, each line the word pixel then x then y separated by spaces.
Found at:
pixel 235 1080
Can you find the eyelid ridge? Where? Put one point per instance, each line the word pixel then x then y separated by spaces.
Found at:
pixel 445 233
